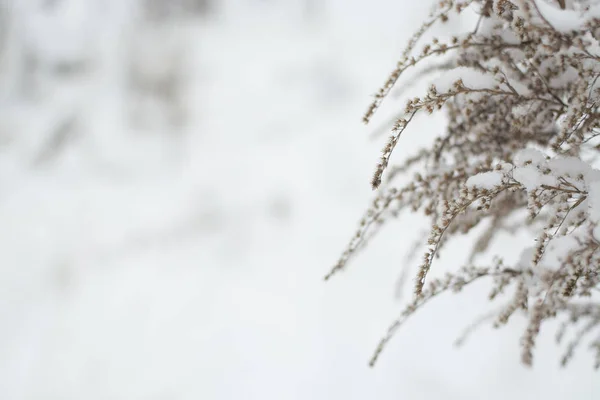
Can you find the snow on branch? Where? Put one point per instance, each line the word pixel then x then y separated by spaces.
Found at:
pixel 520 152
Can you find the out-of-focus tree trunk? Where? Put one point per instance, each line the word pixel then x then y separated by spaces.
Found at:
pixel 161 10
pixel 312 9
pixel 158 62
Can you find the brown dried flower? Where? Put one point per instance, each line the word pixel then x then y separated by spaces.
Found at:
pixel 522 97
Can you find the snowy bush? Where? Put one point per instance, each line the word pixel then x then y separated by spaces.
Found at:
pixel 519 152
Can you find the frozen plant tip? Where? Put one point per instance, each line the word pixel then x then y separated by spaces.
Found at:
pixel 519 154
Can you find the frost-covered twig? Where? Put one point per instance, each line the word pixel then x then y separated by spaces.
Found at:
pixel 521 96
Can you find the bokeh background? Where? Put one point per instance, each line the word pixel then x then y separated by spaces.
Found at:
pixel 176 178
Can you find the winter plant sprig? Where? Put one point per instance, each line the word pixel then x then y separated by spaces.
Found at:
pixel 521 93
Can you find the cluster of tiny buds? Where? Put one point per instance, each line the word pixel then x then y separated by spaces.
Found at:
pixel 541 90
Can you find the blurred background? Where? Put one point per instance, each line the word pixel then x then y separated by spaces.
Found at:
pixel 176 178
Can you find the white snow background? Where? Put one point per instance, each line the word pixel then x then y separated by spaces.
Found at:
pixel 187 263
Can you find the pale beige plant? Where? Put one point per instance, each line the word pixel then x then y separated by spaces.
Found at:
pixel 521 95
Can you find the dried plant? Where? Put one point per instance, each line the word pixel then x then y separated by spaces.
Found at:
pixel 521 96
